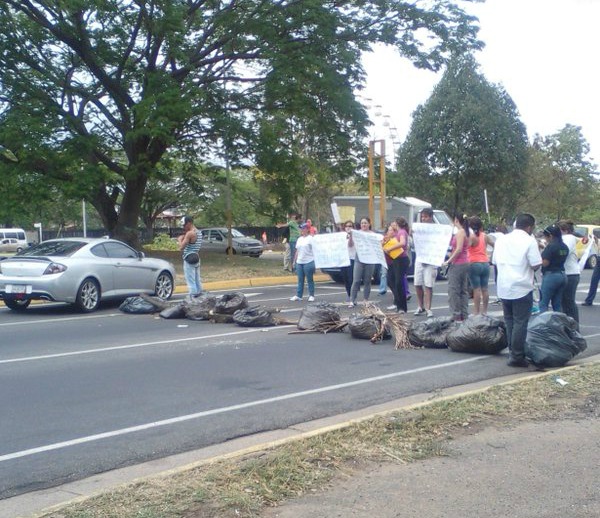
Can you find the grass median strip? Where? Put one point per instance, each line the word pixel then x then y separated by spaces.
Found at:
pixel 245 486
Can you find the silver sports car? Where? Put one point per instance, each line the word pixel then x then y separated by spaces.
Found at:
pixel 82 271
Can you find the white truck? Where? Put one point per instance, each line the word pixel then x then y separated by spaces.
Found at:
pixel 356 207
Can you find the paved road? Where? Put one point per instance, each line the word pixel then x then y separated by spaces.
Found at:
pixel 88 393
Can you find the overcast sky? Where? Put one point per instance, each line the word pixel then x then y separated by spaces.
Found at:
pixel 544 53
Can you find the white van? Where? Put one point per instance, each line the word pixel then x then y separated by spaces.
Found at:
pixel 13 240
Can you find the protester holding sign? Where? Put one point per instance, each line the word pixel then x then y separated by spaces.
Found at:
pixel 366 259
pixel 431 244
pixel 396 250
pixel 348 271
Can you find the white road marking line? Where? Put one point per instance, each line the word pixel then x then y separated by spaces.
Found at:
pixel 143 344
pixel 232 408
pixel 59 319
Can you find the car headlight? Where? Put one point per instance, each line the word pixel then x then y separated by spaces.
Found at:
pixel 54 268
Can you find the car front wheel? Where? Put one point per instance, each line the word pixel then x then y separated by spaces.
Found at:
pixel 592 261
pixel 164 286
pixel 17 304
pixel 88 296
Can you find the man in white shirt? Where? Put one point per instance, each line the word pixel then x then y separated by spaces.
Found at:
pixel 517 256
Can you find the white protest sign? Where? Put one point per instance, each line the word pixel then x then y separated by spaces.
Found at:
pixel 586 253
pixel 431 242
pixel 331 250
pixel 368 247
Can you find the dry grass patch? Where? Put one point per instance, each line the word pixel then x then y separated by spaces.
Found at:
pixel 243 487
pixel 220 267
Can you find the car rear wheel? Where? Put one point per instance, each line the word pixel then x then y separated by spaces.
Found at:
pixel 17 304
pixel 88 296
pixel 592 261
pixel 164 286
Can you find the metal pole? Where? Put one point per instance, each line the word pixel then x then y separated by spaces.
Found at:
pixel 382 184
pixel 84 218
pixel 371 180
pixel 228 202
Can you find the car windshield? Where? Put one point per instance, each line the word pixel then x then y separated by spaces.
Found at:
pixel 53 248
pixel 235 233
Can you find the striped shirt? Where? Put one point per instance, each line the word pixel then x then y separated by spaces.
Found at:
pixel 193 247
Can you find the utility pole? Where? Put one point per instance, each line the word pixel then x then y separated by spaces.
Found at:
pixel 377 185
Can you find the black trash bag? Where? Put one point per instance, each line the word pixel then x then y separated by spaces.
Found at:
pixel 199 307
pixel 176 311
pixel 365 327
pixel 137 306
pixel 431 333
pixel 253 317
pixel 314 315
pixel 478 334
pixel 229 303
pixel 553 340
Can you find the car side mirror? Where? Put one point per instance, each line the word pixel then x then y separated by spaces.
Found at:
pixel 141 255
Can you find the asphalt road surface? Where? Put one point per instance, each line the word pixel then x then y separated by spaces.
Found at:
pixel 83 394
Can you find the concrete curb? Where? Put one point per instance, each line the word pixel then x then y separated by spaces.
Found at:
pixel 38 503
pixel 251 283
pixel 237 284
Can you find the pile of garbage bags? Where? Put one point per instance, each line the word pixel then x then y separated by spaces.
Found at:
pixel 229 307
pixel 553 340
pixel 431 333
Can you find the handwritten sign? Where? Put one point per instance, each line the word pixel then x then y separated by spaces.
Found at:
pixel 586 253
pixel 331 250
pixel 368 247
pixel 431 242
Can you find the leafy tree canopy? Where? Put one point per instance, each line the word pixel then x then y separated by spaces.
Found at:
pixel 561 181
pixel 466 138
pixel 99 90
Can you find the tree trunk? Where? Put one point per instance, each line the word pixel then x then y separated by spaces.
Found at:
pixel 129 214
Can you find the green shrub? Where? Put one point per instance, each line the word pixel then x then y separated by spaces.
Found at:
pixel 163 242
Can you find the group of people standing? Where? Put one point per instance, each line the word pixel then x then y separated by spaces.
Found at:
pixel 468 265
pixel 395 245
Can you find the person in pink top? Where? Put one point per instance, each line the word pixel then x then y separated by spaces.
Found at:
pixel 458 269
pixel 479 266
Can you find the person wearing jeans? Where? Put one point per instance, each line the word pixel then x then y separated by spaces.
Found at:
pixel 589 299
pixel 304 261
pixel 363 272
pixel 517 256
pixel 189 243
pixel 569 306
pixel 554 278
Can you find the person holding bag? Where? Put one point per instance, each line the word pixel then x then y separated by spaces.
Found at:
pixel 189 243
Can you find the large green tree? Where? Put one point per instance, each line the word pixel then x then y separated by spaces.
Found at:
pixel 465 139
pixel 111 85
pixel 561 179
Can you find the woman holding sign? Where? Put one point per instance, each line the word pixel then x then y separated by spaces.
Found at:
pixel 395 249
pixel 348 271
pixel 363 271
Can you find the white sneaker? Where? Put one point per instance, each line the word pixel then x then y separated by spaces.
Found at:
pixel 295 298
pixel 392 307
pixel 351 305
pixel 311 299
pixel 419 311
pixel 429 313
